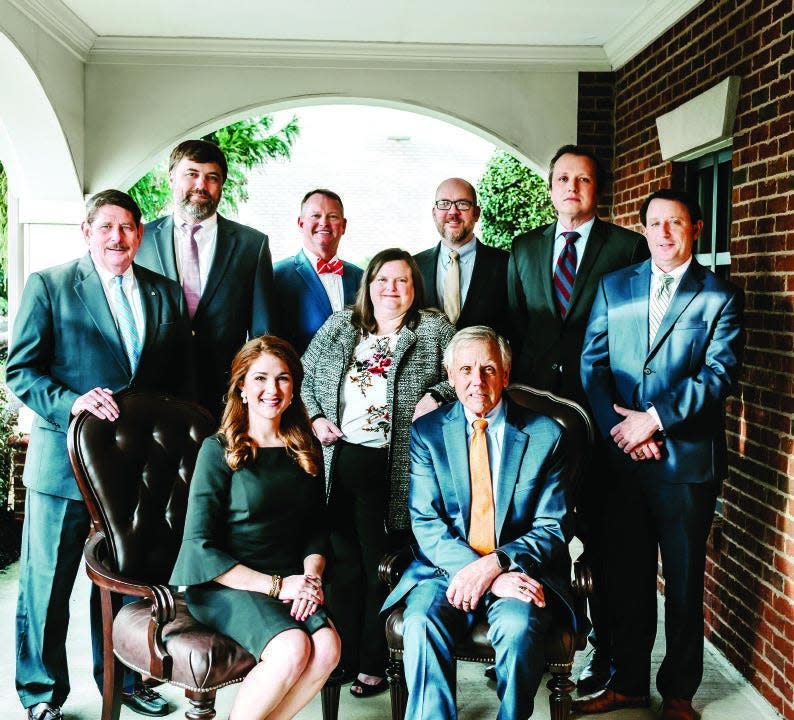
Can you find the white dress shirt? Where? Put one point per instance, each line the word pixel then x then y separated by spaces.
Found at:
pixel 580 244
pixel 331 282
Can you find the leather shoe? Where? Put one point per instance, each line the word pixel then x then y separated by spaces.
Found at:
pixel 678 709
pixel 490 672
pixel 145 701
pixel 596 674
pixel 608 700
pixel 45 711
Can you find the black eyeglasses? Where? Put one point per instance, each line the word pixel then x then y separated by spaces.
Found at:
pixel 459 204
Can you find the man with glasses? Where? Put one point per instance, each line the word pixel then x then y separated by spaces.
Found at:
pixel 463 277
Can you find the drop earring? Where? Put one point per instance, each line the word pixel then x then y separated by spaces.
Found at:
pixel 243 397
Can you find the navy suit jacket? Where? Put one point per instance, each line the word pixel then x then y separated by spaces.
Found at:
pixel 686 373
pixel 532 517
pixel 66 343
pixel 547 348
pixel 236 303
pixel 486 299
pixel 302 300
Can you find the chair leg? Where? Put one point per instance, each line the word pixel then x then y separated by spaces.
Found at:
pixel 329 697
pixel 112 672
pixel 398 690
pixel 561 687
pixel 203 705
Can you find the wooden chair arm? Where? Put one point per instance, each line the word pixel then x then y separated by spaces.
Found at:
pixel 163 605
pixel 394 564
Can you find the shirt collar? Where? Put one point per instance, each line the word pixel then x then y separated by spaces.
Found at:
pixel 583 230
pixel 495 418
pixel 676 272
pixel 464 251
pixel 107 277
pixel 313 259
pixel 208 225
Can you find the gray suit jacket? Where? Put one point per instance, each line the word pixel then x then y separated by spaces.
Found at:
pixel 66 343
pixel 547 348
pixel 236 304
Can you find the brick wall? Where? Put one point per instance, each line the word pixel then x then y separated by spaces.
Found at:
pixel 750 571
pixel 596 125
pixel 16 492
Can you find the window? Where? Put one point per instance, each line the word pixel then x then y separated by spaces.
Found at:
pixel 709 179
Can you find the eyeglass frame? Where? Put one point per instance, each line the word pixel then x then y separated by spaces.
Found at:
pixel 468 204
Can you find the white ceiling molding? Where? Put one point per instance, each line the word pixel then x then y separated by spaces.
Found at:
pixel 323 53
pixel 634 37
pixel 60 23
pixel 701 124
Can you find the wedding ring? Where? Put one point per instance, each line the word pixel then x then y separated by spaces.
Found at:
pixel 640 454
pixel 97 404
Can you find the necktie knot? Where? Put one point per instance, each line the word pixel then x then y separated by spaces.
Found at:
pixel 453 255
pixel 193 230
pixel 664 284
pixel 333 266
pixel 571 237
pixel 480 424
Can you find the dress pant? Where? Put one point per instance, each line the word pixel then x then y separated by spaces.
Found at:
pixel 647 516
pixel 357 513
pixel 430 628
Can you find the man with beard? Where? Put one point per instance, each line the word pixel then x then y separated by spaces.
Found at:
pixel 465 278
pixel 224 268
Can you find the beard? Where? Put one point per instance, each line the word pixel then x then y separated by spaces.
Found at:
pixel 197 205
pixel 454 237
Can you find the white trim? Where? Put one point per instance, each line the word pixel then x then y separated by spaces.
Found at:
pixel 304 53
pixel 60 23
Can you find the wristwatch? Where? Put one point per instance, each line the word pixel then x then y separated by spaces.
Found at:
pixel 504 561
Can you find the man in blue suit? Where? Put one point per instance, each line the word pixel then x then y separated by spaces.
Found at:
pixel 224 267
pixel 315 282
pixel 662 352
pixel 495 549
pixel 84 331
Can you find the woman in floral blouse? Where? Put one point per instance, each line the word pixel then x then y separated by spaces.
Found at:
pixel 369 371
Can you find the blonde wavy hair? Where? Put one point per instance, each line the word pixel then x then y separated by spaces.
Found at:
pixel 295 428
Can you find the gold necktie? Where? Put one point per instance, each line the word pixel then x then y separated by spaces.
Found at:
pixel 452 288
pixel 482 533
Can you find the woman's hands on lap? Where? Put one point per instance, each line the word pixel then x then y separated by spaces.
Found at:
pixel 305 592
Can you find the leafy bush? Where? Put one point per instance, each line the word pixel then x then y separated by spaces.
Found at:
pixel 513 198
pixel 9 528
pixel 246 144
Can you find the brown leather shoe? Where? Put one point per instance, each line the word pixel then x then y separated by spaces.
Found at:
pixel 608 700
pixel 678 709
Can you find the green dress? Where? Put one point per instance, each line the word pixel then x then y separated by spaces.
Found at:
pixel 268 515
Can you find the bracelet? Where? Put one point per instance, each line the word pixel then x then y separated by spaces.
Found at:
pixel 437 396
pixel 275 586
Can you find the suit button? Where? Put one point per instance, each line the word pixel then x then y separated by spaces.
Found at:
pixel 647 371
pixel 555 366
pixel 193 333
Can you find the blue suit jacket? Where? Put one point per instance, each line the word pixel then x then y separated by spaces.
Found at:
pixel 302 300
pixel 236 303
pixel 66 343
pixel 685 374
pixel 533 521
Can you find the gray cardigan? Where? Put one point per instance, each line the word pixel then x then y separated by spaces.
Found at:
pixel 419 367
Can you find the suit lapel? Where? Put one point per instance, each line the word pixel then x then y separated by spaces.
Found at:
pixel 691 284
pixel 164 247
pixel 225 249
pixel 427 266
pixel 151 303
pixel 313 283
pixel 546 253
pixel 595 244
pixel 639 289
pixel 349 287
pixel 455 442
pixel 479 279
pixel 88 287
pixel 514 447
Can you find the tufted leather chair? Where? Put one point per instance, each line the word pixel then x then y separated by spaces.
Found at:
pixel 562 641
pixel 134 475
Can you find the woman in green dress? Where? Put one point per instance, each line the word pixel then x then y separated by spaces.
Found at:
pixel 252 554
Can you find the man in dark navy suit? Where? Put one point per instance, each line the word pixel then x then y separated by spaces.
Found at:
pixel 315 282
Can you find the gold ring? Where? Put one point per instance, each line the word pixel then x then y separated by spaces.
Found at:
pixel 97 404
pixel 640 454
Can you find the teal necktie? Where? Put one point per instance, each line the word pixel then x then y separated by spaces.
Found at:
pixel 127 328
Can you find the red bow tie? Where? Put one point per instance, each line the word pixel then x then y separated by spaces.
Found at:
pixel 332 266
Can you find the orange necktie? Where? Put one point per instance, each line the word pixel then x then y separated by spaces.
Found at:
pixel 482 533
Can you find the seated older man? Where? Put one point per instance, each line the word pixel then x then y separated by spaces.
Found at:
pixel 491 516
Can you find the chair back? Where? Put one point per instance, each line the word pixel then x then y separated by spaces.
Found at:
pixel 571 416
pixel 134 476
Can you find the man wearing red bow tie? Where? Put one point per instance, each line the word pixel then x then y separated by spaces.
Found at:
pixel 315 282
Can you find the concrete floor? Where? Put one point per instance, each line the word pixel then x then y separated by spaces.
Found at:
pixel 724 694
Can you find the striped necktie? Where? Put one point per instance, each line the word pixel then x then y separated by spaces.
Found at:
pixel 482 529
pixel 658 305
pixel 565 273
pixel 127 327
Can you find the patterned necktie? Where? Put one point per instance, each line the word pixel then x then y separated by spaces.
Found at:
pixel 452 288
pixel 564 273
pixel 482 532
pixel 191 276
pixel 658 305
pixel 334 266
pixel 127 328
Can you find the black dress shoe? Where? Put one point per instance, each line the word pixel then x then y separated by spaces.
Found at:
pixel 45 711
pixel 596 673
pixel 145 701
pixel 490 672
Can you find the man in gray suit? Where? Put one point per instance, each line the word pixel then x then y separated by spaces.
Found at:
pixel 224 268
pixel 552 278
pixel 84 331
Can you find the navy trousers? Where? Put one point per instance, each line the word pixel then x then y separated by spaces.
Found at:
pixel 430 628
